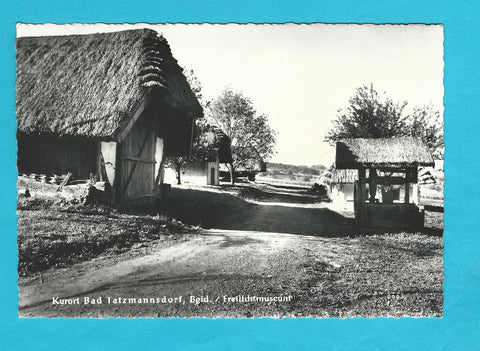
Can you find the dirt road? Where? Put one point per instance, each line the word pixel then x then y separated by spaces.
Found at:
pixel 272 266
pixel 215 263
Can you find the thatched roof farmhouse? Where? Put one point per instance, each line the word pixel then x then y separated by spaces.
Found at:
pixel 109 104
pixel 215 145
pixel 211 147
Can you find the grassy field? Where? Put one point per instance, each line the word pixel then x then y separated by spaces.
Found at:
pixel 389 275
pixel 58 236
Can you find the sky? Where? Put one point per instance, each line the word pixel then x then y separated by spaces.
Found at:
pixel 299 75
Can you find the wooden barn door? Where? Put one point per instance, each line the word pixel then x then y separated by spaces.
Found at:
pixel 138 162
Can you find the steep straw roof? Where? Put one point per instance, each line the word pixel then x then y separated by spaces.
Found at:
pixel 338 176
pixel 90 85
pixel 384 152
pixel 209 140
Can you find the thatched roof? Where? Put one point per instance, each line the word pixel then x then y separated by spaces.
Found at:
pixel 338 176
pixel 209 140
pixel 384 152
pixel 223 144
pixel 90 85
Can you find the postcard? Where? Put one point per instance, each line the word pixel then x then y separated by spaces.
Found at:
pixel 233 171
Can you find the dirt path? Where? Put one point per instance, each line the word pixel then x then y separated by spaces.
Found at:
pixel 263 259
pixel 289 219
pixel 213 264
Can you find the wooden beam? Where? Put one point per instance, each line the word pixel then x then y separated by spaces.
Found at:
pixel 392 169
pixel 362 182
pixel 118 170
pixel 160 172
pixel 389 180
pixel 65 181
pixel 99 161
pixel 407 188
pixel 361 196
pixel 414 175
pixel 155 133
pixel 372 184
pixel 138 159
pixel 136 115
pixel 142 196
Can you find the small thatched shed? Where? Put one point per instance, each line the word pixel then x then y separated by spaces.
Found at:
pixel 211 147
pixel 340 184
pixel 218 146
pixel 392 164
pixel 109 104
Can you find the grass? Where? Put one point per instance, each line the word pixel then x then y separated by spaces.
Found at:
pixel 389 275
pixel 52 235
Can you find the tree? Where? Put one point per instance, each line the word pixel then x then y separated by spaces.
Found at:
pixel 204 145
pixel 426 122
pixel 371 115
pixel 178 162
pixel 252 139
pixel 195 85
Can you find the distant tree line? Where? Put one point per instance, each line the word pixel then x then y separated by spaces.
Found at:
pixel 273 167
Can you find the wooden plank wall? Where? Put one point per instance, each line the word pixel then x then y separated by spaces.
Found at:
pixel 138 161
pixel 54 155
pixel 394 216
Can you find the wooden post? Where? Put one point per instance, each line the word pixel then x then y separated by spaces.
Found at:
pixel 65 181
pixel 372 184
pixel 361 181
pixel 361 195
pixel 415 193
pixel 416 188
pixel 356 190
pixel 117 184
pixel 407 186
pixel 160 160
pixel 99 161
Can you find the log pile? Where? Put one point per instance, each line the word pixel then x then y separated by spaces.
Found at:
pixel 62 187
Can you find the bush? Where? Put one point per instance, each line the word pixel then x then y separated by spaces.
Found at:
pixel 320 189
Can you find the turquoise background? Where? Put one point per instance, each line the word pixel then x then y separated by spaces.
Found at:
pixel 459 329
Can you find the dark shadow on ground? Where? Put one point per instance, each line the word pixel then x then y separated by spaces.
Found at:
pixel 226 211
pixel 433 223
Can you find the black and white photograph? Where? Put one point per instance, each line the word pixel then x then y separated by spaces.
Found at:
pixel 230 170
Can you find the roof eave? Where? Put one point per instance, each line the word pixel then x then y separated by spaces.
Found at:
pixel 399 165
